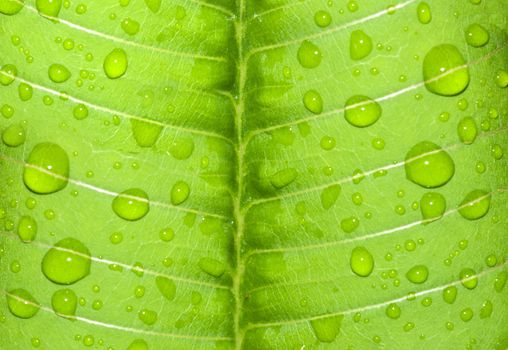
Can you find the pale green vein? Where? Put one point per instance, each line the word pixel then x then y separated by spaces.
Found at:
pixel 120 328
pixel 379 305
pixel 109 262
pixel 111 193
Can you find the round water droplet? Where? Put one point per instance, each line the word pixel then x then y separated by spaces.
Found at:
pixel 450 294
pixel 212 266
pixel 25 92
pixel 10 7
pixel 468 278
pixel 58 73
pixel 21 303
pixel 46 169
pixel 393 311
pixel 323 19
pixel 361 262
pixel 115 64
pixel 502 78
pixel 309 55
pixel 132 204
pixel 181 148
pixel 8 74
pixel 313 102
pixel 466 314
pixel 328 143
pixel 360 45
pixel 67 262
pixel 428 165
pixel 475 205
pixel 418 274
pixel 80 112
pixel 27 229
pixel 138 344
pixel 180 192
pixel 167 235
pixel 432 206
pixel 50 8
pixel 349 224
pixel 130 26
pixel 14 135
pixel 283 178
pixel 476 35
pixel 148 317
pixel 423 12
pixel 467 130
pixel 64 303
pixel 445 71
pixel 362 111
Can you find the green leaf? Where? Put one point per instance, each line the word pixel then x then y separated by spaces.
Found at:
pixel 253 174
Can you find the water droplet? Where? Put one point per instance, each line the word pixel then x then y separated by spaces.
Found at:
pixel 8 74
pixel 468 278
pixel 67 262
pixel 502 78
pixel 115 64
pixel 328 143
pixel 138 344
pixel 329 196
pixel 14 135
pixel 167 235
pixel 445 71
pixel 466 314
pixel 486 309
pixel 393 311
pixel 432 206
pixel 476 35
pixel 500 281
pixel 467 130
pixel 309 55
pixel 427 301
pixel 283 178
pixel 130 26
pixel 166 287
pixel 132 204
pixel 64 303
pixel 181 148
pixel 361 262
pixel 322 19
pixel 22 304
pixel 418 274
pixel 349 224
pixel 46 169
pixel 148 317
pixel 428 165
pixel 362 111
pixel 80 112
pixel 180 192
pixel 313 102
pixel 212 266
pixel 25 92
pixel 27 229
pixel 360 45
pixel 327 329
pixel 496 151
pixel 475 205
pixel 58 73
pixel 10 7
pixel 50 8
pixel 423 12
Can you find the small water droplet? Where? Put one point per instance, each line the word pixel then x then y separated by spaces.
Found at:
pixel 327 329
pixel 58 73
pixel 313 102
pixel 115 64
pixel 393 311
pixel 361 261
pixel 27 228
pixel 322 19
pixel 14 135
pixel 476 35
pixel 360 45
pixel 130 26
pixel 418 274
pixel 309 55
pixel 49 8
pixel 468 278
pixel 423 12
pixel 179 192
pixel 432 206
pixel 148 317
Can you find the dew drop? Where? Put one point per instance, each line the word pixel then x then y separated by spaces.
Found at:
pixel 445 71
pixel 148 317
pixel 349 224
pixel 322 19
pixel 360 45
pixel 476 35
pixel 46 169
pixel 132 204
pixel 418 274
pixel 309 55
pixel 180 192
pixel 181 148
pixel 466 314
pixel 115 64
pixel 500 281
pixel 328 143
pixel 393 311
pixel 423 12
pixel 468 278
pixel 467 130
pixel 313 102
pixel 130 26
pixel 327 329
pixel 10 7
pixel 283 178
pixel 475 205
pixel 80 112
pixel 167 235
pixel 25 92
pixel 27 228
pixel 14 135
pixel 212 266
pixel 58 73
pixel 428 165
pixel 450 294
pixel 153 5
pixel 22 304
pixel 49 8
pixel 64 303
pixel 166 287
pixel 362 111
pixel 432 206
pixel 67 262
pixel 329 196
pixel 361 262
pixel 501 78
pixel 138 344
pixel 8 74
pixel 145 133
pixel 486 309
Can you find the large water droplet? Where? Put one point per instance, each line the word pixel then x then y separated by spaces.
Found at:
pixel 361 261
pixel 309 55
pixel 428 165
pixel 8 74
pixel 10 7
pixel 180 192
pixel 58 73
pixel 476 35
pixel 21 303
pixel 27 228
pixel 115 64
pixel 67 262
pixel 445 71
pixel 132 204
pixel 475 205
pixel 360 45
pixel 46 169
pixel 327 329
pixel 64 303
pixel 418 274
pixel 50 8
pixel 432 206
pixel 362 111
